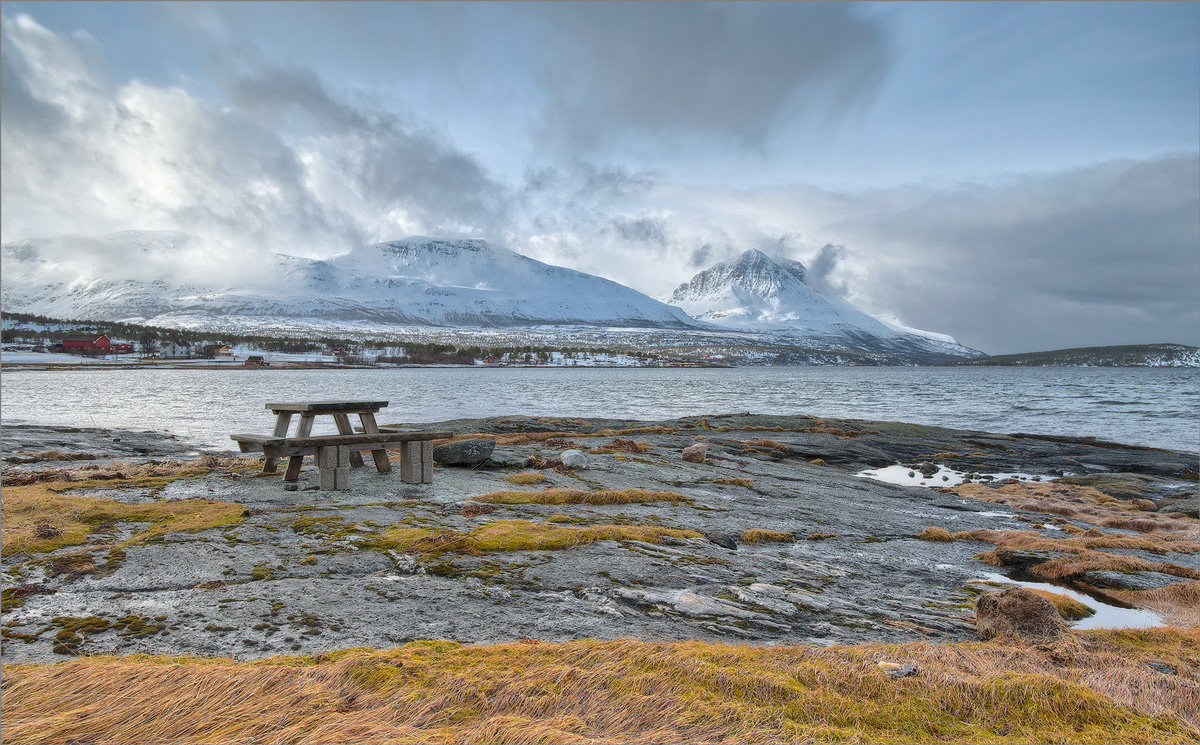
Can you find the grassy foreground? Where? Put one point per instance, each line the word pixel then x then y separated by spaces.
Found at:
pixel 1092 687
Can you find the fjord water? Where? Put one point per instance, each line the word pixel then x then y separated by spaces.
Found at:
pixel 1159 407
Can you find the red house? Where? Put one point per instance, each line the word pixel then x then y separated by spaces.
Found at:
pixel 86 344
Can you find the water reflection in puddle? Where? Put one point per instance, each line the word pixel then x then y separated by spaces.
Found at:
pixel 905 476
pixel 1107 616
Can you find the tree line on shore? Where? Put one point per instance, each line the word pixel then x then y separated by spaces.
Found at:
pixel 44 332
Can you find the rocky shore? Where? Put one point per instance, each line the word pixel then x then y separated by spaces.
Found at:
pixel 129 542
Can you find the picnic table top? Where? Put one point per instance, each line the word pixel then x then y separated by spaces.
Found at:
pixel 382 438
pixel 328 407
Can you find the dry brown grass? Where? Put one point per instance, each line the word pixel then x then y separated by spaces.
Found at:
pixel 623 691
pixel 1068 607
pixel 580 496
pixel 1101 561
pixel 37 518
pixel 933 533
pixel 1156 543
pixel 1178 604
pixel 757 535
pixel 621 445
pixel 764 443
pixel 1082 503
pixel 731 481
pixel 529 478
pixel 656 429
pixel 518 535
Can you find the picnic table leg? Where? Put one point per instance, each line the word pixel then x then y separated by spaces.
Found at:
pixel 344 428
pixel 382 464
pixel 282 421
pixel 304 429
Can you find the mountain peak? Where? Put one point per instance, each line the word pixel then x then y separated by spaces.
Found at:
pixel 759 292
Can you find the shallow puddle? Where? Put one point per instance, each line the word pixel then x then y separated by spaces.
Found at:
pixel 1107 616
pixel 905 476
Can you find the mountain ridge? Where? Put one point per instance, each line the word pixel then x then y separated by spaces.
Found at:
pixel 473 283
pixel 432 283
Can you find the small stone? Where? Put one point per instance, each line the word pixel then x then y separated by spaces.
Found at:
pixel 291 487
pixel 695 453
pixel 724 540
pixel 574 459
pixel 464 452
pixel 507 460
pixel 895 670
pixel 46 530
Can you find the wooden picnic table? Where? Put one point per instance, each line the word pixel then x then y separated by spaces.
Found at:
pixel 340 411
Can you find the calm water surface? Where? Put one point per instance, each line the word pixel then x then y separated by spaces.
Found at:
pixel 1147 406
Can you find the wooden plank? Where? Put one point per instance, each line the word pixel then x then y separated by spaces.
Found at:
pixel 381 438
pixel 256 440
pixel 427 462
pixel 296 461
pixel 343 427
pixel 293 468
pixel 382 464
pixel 326 407
pixel 283 420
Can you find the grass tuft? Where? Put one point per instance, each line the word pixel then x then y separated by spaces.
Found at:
pixel 1068 607
pixel 757 535
pixel 933 533
pixel 621 445
pixel 37 518
pixel 732 481
pixel 529 478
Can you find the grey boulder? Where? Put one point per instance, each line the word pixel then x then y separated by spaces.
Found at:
pixel 464 452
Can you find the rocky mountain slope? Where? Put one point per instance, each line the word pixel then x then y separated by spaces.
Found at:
pixel 757 292
pixel 415 281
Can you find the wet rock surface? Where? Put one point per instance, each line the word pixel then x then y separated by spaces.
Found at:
pixel 307 571
pixel 27 445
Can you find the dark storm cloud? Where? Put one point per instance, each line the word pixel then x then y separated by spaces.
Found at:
pixel 822 267
pixel 646 229
pixel 723 69
pixel 1100 255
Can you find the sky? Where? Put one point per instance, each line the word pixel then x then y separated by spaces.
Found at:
pixel 1023 176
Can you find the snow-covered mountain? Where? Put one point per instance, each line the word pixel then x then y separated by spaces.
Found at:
pixel 416 281
pixel 756 292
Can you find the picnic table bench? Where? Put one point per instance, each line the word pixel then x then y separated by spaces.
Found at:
pixel 336 454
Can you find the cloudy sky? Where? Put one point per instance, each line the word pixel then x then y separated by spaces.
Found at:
pixel 1022 176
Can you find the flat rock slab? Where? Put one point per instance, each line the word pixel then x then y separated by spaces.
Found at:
pixel 307 571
